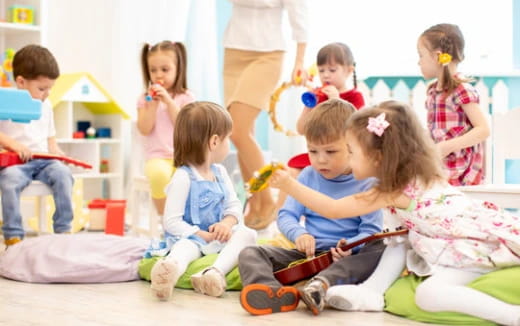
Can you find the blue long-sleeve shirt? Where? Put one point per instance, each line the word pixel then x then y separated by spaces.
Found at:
pixel 328 232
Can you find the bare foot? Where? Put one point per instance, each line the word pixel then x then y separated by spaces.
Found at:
pixel 261 219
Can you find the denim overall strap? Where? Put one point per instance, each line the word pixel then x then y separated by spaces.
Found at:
pixel 220 181
pixel 193 197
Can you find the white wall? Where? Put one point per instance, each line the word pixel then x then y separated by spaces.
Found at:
pixel 383 33
pixel 103 37
pixel 80 34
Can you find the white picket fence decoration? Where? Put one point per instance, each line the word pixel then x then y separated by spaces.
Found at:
pixel 492 100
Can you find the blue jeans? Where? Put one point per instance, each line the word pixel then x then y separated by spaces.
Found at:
pixel 14 179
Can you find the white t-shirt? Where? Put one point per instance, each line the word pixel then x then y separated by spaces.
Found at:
pixel 34 134
pixel 256 25
pixel 177 192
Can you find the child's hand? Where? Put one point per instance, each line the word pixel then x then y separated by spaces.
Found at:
pixel 299 75
pixel 56 150
pixel 306 244
pixel 161 94
pixel 221 231
pixel 23 151
pixel 280 179
pixel 207 236
pixel 337 253
pixel 330 91
pixel 444 149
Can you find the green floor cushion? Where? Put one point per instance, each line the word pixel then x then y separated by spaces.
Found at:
pixel 232 278
pixel 503 284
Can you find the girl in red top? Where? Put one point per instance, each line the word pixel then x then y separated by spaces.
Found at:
pixel 336 67
pixel 455 120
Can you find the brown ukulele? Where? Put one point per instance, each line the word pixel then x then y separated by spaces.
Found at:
pixel 313 266
pixel 11 158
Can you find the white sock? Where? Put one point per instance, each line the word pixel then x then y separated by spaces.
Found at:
pixel 164 276
pixel 354 298
pixel 166 272
pixel 209 281
pixel 369 295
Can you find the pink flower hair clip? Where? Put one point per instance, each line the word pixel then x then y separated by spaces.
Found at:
pixel 378 124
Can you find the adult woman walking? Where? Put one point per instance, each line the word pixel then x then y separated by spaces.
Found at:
pixel 253 57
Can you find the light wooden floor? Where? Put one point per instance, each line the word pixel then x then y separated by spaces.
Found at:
pixel 131 303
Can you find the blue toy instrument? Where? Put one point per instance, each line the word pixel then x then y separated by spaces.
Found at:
pixel 18 105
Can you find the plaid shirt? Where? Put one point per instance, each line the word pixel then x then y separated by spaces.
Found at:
pixel 447 120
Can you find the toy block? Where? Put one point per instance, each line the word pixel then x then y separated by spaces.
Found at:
pixel 21 14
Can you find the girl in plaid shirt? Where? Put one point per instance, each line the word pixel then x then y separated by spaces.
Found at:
pixel 455 120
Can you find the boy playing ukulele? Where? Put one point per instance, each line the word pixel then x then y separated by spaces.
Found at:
pixel 330 174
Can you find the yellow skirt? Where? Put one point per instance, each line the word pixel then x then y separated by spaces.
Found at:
pixel 250 77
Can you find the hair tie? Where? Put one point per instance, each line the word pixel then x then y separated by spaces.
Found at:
pixel 378 124
pixel 444 58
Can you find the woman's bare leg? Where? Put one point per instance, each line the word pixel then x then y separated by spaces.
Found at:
pixel 250 159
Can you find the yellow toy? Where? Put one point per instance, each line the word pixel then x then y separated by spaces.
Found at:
pixel 259 180
pixel 21 15
pixel 311 72
pixel 6 70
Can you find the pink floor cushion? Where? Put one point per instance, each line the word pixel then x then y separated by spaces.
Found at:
pixel 74 258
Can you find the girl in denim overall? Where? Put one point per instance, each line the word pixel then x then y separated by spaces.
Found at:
pixel 202 213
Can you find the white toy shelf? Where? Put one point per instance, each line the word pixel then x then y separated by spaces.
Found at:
pixel 79 97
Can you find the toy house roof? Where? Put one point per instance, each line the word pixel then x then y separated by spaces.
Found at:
pixel 82 87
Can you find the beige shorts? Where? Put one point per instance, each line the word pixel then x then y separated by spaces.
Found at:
pixel 251 77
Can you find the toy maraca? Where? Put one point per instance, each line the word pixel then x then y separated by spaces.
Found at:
pixel 259 180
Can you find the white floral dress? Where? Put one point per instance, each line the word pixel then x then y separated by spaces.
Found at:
pixel 448 228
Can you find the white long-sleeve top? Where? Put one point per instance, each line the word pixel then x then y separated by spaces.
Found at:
pixel 256 25
pixel 177 192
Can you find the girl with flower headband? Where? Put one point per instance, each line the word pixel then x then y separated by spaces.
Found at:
pixel 455 120
pixel 164 74
pixel 453 238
